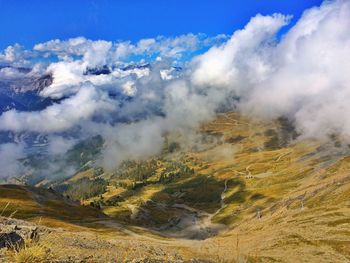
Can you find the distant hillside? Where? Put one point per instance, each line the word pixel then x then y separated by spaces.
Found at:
pixel 44 205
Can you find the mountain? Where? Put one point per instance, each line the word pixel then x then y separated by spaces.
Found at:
pixel 135 66
pixel 104 70
pixel 242 191
pixel 21 91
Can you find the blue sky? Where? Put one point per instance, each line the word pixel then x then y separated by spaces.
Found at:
pixel 30 22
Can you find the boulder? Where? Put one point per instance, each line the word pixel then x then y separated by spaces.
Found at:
pixel 11 240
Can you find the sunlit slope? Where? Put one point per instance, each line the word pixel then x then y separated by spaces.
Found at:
pixel 243 189
pixel 280 194
pixel 286 201
pixel 237 161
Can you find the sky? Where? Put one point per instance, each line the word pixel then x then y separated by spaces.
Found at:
pixel 169 84
pixel 30 22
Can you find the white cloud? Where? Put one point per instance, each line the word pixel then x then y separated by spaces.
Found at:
pixel 97 54
pixel 67 77
pixel 240 57
pixel 60 116
pixel 129 88
pixel 73 46
pixel 10 73
pixel 15 55
pixel 107 52
pixel 59 145
pixel 303 75
pixel 10 153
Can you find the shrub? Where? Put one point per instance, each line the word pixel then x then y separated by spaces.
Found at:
pixel 36 253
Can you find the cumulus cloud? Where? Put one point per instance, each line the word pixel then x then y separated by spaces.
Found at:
pixel 68 73
pixel 173 47
pixel 302 75
pixel 60 116
pixel 243 56
pixel 74 46
pixel 15 55
pixel 10 73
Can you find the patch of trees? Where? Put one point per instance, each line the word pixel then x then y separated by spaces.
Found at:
pixel 85 188
pixel 173 171
pixel 137 171
pixel 98 171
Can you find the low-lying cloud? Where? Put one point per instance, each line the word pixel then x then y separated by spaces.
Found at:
pixel 10 154
pixel 303 75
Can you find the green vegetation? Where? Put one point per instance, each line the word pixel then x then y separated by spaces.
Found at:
pixel 137 171
pixel 85 188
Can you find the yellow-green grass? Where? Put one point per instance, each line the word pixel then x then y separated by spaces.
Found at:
pixel 44 206
pixel 284 201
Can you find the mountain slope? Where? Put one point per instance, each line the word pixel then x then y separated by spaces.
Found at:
pixel 240 190
pixel 246 177
pixel 44 205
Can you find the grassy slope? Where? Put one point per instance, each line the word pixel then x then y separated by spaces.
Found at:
pixel 301 191
pixel 47 207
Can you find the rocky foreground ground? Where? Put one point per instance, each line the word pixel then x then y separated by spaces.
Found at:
pixel 23 241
